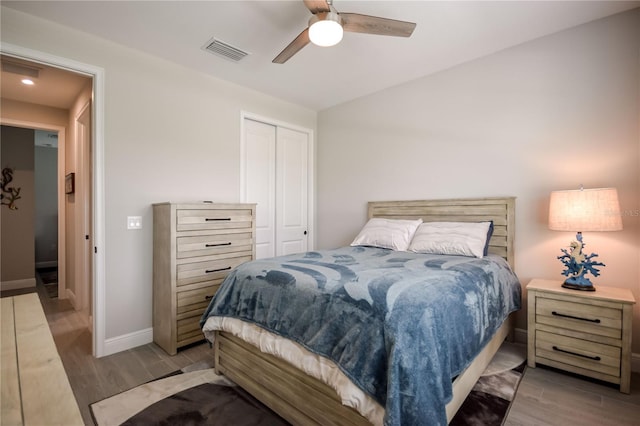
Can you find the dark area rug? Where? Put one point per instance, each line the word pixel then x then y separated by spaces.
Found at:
pixel 49 277
pixel 207 404
pixel 197 396
pixel 488 402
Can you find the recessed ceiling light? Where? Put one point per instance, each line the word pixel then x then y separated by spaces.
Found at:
pixel 27 81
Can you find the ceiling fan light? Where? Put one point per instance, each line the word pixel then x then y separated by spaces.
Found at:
pixel 326 32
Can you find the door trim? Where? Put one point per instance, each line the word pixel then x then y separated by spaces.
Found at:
pixel 98 195
pixel 311 194
pixel 83 170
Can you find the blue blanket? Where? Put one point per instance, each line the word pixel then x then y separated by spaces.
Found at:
pixel 400 325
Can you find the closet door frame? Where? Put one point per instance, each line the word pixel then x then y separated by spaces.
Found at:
pixel 310 167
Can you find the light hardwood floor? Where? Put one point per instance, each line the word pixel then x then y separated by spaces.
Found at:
pixel 550 397
pixel 545 397
pixel 93 379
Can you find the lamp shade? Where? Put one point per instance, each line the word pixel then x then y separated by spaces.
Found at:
pixel 585 210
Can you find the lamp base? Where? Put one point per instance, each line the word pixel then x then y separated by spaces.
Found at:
pixel 578 265
pixel 582 287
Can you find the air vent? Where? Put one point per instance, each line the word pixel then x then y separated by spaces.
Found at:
pixel 23 70
pixel 225 50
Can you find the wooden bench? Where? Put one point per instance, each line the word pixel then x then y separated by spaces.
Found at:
pixel 35 387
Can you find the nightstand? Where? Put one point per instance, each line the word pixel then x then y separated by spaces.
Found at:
pixel 584 332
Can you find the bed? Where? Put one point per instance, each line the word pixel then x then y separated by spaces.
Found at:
pixel 303 345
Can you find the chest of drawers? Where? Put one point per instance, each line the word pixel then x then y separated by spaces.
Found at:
pixel 195 246
pixel 587 333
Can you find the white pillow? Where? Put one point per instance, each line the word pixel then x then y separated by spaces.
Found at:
pixel 392 234
pixel 454 238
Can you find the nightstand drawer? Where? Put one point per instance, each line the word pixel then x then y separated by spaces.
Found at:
pixel 592 319
pixel 579 353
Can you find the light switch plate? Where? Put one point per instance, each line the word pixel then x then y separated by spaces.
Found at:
pixel 134 222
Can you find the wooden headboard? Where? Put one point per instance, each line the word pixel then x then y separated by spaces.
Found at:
pixel 501 210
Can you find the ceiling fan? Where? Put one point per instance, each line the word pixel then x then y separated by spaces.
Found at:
pixel 326 26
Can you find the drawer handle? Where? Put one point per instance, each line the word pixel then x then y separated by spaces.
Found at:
pixel 208 297
pixel 213 219
pixel 597 321
pixel 595 358
pixel 210 271
pixel 217 245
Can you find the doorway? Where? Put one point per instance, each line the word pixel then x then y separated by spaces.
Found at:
pixel 31 228
pixel 81 227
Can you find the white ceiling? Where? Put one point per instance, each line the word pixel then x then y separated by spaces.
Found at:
pixel 447 33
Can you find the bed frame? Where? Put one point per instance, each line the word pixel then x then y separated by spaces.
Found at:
pixel 304 400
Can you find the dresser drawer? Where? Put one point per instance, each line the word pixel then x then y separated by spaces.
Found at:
pixel 581 317
pixel 191 304
pixel 195 300
pixel 579 353
pixel 197 220
pixel 190 273
pixel 189 331
pixel 213 244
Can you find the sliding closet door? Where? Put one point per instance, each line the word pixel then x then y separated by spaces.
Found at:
pixel 259 170
pixel 275 168
pixel 291 191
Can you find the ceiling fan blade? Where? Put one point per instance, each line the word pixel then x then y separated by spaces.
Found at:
pixel 317 6
pixel 294 47
pixel 356 23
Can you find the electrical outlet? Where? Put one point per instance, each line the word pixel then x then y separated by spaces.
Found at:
pixel 134 222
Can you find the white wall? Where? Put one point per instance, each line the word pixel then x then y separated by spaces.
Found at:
pixel 170 134
pixel 550 114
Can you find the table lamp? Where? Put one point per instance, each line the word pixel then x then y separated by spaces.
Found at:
pixel 583 210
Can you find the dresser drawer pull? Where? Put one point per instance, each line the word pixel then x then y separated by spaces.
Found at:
pixel 213 219
pixel 208 297
pixel 595 358
pixel 217 245
pixel 597 321
pixel 210 271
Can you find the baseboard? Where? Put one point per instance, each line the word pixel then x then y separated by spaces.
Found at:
pixel 521 337
pixel 68 294
pixel 17 284
pixel 128 341
pixel 48 264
